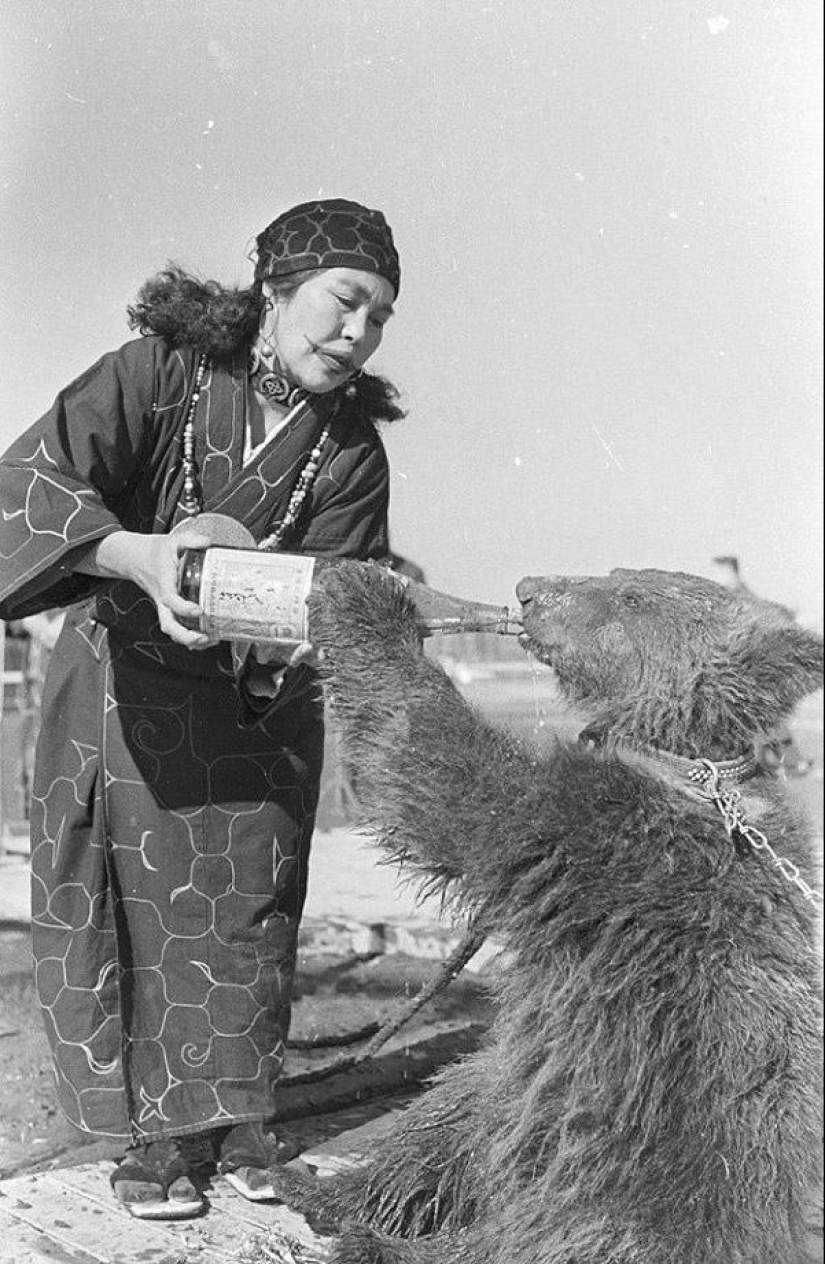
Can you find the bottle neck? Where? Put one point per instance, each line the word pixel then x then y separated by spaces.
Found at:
pixel 441 613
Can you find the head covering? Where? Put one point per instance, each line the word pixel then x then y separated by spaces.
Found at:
pixel 333 233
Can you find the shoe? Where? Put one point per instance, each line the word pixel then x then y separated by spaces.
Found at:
pixel 153 1181
pixel 254 1183
pixel 244 1159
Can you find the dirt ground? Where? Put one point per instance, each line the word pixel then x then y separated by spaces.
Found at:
pixel 334 996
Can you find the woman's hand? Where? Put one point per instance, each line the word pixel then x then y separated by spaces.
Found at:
pixel 152 562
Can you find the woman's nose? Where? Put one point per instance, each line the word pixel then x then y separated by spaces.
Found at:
pixel 354 327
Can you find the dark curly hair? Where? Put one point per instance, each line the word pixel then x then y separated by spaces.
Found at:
pixel 223 321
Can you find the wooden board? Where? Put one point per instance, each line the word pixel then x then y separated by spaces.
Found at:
pixel 69 1216
pixel 350 1149
pixel 21 1243
pixel 84 1220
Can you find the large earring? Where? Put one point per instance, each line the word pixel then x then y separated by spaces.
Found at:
pixel 265 347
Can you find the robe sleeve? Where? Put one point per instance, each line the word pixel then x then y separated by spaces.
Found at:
pixel 65 480
pixel 351 503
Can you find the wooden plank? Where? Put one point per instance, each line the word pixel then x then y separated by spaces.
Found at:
pixel 229 1218
pixel 90 1221
pixel 349 1149
pixel 232 1221
pixel 69 1215
pixel 22 1244
pixel 86 1210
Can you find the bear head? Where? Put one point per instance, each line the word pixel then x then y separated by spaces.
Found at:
pixel 670 660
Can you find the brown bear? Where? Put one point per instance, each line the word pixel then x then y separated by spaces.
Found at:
pixel 649 1091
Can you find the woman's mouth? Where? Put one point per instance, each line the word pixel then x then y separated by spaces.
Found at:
pixel 341 363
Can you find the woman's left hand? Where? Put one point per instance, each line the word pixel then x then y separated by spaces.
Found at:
pixel 153 562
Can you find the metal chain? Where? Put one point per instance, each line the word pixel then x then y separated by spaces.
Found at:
pixel 729 803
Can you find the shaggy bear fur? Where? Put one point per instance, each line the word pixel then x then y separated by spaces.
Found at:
pixel 649 1093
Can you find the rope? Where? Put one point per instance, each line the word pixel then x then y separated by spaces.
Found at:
pixel 450 967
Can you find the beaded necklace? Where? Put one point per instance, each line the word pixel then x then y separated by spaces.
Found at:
pixel 190 500
pixel 299 493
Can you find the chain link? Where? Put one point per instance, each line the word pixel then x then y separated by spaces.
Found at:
pixel 729 804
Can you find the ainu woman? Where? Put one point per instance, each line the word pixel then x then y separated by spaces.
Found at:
pixel 173 803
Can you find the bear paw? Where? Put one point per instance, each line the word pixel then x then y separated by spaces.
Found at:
pixel 355 602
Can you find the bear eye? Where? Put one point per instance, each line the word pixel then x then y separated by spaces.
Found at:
pixel 632 599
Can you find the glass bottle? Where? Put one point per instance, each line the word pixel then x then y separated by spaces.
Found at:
pixel 248 595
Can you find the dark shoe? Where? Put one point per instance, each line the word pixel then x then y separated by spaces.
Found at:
pixel 244 1159
pixel 153 1181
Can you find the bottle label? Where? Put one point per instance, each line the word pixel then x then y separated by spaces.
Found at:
pixel 249 596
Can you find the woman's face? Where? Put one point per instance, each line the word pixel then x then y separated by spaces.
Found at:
pixel 328 328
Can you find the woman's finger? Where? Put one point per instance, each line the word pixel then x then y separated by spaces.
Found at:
pixel 190 638
pixel 180 607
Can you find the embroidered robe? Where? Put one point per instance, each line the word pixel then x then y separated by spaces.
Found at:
pixel 171 820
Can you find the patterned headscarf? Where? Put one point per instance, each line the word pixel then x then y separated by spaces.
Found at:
pixel 329 234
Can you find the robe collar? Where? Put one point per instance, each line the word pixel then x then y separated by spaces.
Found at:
pixel 256 494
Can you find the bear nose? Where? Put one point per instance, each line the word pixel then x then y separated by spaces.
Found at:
pixel 527 588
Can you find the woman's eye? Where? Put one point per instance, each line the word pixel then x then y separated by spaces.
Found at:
pixel 345 300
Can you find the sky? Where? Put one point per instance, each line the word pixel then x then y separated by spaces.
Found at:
pixel 609 215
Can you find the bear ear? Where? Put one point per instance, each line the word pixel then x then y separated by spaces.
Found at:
pixel 782 663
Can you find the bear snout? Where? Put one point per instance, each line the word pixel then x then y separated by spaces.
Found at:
pixel 542 592
pixel 536 586
pixel 526 589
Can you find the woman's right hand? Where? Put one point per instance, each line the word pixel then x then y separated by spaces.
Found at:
pixel 152 562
